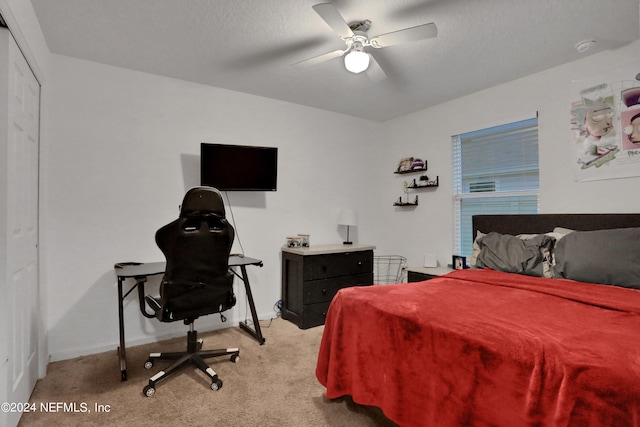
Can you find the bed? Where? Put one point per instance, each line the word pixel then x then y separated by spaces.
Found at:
pixel 552 345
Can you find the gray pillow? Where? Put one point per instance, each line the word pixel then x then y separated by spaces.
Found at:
pixel 610 257
pixel 511 254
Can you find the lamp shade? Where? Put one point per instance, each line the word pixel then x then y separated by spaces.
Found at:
pixel 356 61
pixel 348 217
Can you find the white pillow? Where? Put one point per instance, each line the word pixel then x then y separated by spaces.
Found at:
pixel 476 249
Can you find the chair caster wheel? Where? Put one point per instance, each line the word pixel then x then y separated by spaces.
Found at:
pixel 148 364
pixel 148 391
pixel 235 358
pixel 216 385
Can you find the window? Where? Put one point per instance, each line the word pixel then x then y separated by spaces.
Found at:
pixel 495 171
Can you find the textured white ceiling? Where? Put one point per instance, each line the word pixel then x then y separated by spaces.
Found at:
pixel 248 45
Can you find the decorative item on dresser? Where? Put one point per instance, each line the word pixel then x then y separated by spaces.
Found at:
pixel 348 218
pixel 312 276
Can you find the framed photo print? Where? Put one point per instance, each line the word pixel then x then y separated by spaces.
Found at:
pixel 459 262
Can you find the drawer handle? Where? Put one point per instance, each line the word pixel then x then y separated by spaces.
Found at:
pixel 324 292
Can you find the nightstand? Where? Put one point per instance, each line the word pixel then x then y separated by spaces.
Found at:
pixel 419 274
pixel 311 276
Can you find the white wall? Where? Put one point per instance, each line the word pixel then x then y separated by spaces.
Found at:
pixel 428 228
pixel 124 148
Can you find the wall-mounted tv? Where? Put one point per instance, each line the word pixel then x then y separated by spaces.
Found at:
pixel 238 167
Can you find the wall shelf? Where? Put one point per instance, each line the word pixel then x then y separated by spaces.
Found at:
pixel 414 165
pixel 399 202
pixel 430 184
pixel 411 171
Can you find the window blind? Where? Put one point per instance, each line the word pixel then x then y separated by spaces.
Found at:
pixel 495 171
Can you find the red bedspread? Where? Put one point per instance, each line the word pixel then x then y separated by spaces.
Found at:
pixel 485 348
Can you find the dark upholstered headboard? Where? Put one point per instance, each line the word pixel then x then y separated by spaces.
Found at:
pixel 544 223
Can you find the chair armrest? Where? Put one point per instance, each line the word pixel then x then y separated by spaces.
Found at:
pixel 142 299
pixel 153 303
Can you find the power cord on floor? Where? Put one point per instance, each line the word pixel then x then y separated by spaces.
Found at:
pixel 277 307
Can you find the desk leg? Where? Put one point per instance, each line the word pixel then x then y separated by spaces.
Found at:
pixel 121 350
pixel 255 332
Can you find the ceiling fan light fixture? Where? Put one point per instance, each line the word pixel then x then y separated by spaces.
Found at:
pixel 356 61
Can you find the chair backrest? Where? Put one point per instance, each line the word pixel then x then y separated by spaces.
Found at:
pixel 197 280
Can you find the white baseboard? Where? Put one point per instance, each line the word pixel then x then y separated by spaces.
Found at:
pixel 203 326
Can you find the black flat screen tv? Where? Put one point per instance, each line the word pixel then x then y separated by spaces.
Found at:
pixel 238 167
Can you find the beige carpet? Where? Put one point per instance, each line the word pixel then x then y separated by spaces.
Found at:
pixel 272 385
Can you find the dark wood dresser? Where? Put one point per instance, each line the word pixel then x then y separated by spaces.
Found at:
pixel 311 276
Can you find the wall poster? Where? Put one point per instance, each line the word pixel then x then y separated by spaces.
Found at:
pixel 605 121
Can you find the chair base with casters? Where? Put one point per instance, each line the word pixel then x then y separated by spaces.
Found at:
pixel 193 354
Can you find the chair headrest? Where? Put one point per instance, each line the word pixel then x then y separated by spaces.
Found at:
pixel 202 201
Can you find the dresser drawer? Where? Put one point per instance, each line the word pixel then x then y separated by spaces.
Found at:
pixel 324 290
pixel 314 315
pixel 326 266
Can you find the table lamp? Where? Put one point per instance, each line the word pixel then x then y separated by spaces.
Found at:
pixel 349 218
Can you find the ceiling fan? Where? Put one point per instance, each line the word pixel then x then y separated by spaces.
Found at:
pixel 356 38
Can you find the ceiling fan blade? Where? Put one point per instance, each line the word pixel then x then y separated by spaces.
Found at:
pixel 420 32
pixel 318 59
pixel 375 71
pixel 332 17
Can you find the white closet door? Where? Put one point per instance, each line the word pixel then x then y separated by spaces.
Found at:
pixel 19 147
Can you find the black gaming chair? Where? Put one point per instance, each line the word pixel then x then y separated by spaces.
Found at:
pixel 197 280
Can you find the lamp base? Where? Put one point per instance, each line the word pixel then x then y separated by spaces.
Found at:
pixel 347 243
